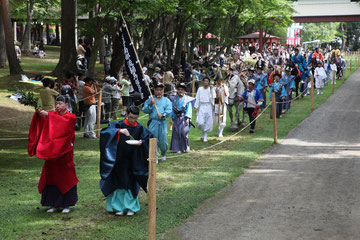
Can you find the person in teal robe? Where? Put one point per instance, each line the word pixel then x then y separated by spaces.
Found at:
pixel 157 118
pixel 124 167
pixel 280 93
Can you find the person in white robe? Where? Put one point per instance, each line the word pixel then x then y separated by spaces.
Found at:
pixel 204 105
pixel 320 76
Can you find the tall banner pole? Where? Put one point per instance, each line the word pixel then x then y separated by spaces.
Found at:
pixel 98 117
pixel 137 58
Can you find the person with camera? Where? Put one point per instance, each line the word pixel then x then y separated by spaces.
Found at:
pixel 89 92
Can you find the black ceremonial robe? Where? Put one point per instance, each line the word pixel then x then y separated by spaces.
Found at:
pixel 123 166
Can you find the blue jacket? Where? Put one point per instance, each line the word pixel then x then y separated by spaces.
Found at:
pixel 289 80
pixel 258 96
pixel 278 88
pixel 300 61
pixel 261 80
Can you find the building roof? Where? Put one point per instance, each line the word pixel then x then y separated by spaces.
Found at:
pixel 256 35
pixel 326 8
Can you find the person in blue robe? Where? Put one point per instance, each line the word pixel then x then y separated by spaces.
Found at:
pixel 181 117
pixel 300 61
pixel 253 100
pixel 124 167
pixel 157 118
pixel 251 72
pixel 261 83
pixel 289 84
pixel 280 94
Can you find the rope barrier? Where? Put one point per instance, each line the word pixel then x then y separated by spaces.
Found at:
pixel 295 97
pixel 225 140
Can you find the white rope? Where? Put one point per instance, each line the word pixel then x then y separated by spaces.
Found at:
pixel 225 140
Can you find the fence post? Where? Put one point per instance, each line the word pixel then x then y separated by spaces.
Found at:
pixel 273 100
pixel 152 189
pixel 333 81
pixel 312 92
pixel 98 116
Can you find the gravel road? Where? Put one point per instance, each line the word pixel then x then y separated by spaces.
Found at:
pixel 306 187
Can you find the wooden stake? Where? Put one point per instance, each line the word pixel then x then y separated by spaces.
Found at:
pixel 98 116
pixel 152 189
pixel 312 93
pixel 273 100
pixel 333 82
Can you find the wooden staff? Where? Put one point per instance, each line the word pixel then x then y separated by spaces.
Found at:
pixel 98 113
pixel 273 100
pixel 312 92
pixel 193 87
pixel 219 107
pixel 152 189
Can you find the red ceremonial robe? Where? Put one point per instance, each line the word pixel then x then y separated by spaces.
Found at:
pixel 52 138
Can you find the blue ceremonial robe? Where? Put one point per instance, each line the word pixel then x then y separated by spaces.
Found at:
pixel 122 166
pixel 261 83
pixel 158 127
pixel 182 110
pixel 300 61
pixel 280 92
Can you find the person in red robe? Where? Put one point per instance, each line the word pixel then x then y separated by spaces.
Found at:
pixel 51 137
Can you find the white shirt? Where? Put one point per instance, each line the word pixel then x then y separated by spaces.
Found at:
pixel 333 67
pixel 251 99
pixel 204 96
pixel 116 92
pixel 80 93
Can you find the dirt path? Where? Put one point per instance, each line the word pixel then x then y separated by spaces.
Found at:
pixel 306 187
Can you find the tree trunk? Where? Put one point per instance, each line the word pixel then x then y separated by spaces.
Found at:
pixel 68 54
pixel 117 60
pixel 26 39
pixel 342 36
pixel 102 50
pixel 57 32
pixel 2 45
pixel 194 34
pixel 48 41
pixel 97 43
pixel 14 64
pixel 41 32
pixel 179 35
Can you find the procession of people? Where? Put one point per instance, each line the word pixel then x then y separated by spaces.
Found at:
pixel 183 97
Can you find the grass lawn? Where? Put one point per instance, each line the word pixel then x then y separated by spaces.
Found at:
pixel 182 184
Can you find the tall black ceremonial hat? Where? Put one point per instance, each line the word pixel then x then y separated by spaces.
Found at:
pixel 158 84
pixel 181 85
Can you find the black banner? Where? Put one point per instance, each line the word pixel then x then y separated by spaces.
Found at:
pixel 133 66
